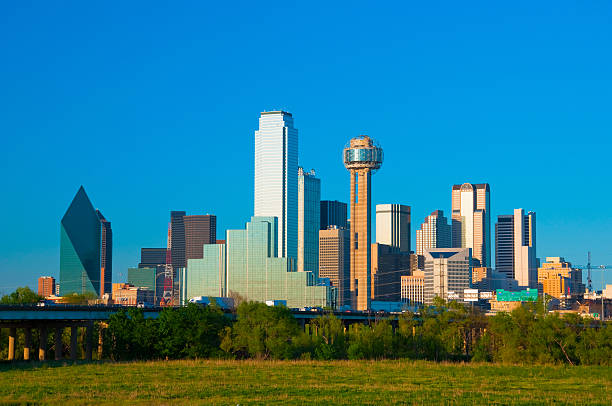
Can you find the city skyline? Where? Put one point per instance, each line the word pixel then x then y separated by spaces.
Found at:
pixel 64 114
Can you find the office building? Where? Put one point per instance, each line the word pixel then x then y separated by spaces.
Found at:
pixel 388 267
pixel 558 279
pixel 176 239
pixel 435 232
pixel 334 261
pixel 471 220
pixel 151 257
pixel 46 286
pixel 207 276
pixel 393 226
pixel 106 255
pixel 447 273
pixel 199 230
pixel 127 295
pixel 413 287
pixel 255 272
pixel 515 247
pixel 362 157
pixel 152 278
pixel 333 213
pixel 85 249
pixel 309 220
pixel 276 176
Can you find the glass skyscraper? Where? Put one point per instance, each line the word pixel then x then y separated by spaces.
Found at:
pixel 85 249
pixel 206 276
pixel 333 213
pixel 276 174
pixel 309 218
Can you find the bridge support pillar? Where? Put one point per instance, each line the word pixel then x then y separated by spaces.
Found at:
pixel 42 347
pixel 11 346
pixel 73 342
pixel 27 343
pixel 88 341
pixel 59 345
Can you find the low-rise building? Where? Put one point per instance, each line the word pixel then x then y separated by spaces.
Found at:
pixel 129 295
pixel 46 286
pixel 413 287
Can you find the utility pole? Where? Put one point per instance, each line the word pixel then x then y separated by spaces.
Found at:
pixel 589 285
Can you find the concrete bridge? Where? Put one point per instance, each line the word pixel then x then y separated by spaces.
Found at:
pixel 59 317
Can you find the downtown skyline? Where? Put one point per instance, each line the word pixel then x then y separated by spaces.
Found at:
pixel 128 164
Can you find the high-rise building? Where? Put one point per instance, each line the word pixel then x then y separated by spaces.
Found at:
pixel 515 247
pixel 176 239
pixel 333 213
pixel 393 226
pixel 435 232
pixel 106 256
pixel 362 156
pixel 447 273
pixel 388 267
pixel 334 261
pixel 471 220
pixel 199 230
pixel 151 257
pixel 413 287
pixel 255 272
pixel 309 219
pixel 558 279
pixel 276 176
pixel 46 286
pixel 207 276
pixel 85 249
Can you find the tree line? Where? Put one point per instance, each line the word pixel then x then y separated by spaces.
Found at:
pixel 442 332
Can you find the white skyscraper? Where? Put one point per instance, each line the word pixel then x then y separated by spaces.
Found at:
pixel 309 221
pixel 393 226
pixel 435 232
pixel 471 224
pixel 276 176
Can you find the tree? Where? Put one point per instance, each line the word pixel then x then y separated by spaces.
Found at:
pixel 23 295
pixel 79 298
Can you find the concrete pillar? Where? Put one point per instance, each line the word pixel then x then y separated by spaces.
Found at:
pixel 73 342
pixel 42 348
pixel 27 343
pixel 12 338
pixel 88 341
pixel 100 340
pixel 59 345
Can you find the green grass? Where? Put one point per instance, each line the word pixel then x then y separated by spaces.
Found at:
pixel 300 382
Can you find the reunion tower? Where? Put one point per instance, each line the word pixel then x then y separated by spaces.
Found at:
pixel 362 157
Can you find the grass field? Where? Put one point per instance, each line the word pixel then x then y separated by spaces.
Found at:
pixel 299 382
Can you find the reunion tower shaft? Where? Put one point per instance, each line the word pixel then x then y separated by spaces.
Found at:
pixel 362 157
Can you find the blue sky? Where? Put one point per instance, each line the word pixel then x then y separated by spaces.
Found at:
pixel 152 107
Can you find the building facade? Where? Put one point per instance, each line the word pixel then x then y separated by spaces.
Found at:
pixel 46 286
pixel 388 267
pixel 471 220
pixel 515 247
pixel 151 257
pixel 199 230
pixel 393 226
pixel 435 232
pixel 255 272
pixel 127 295
pixel 207 276
pixel 276 176
pixel 309 220
pixel 361 157
pixel 334 261
pixel 447 273
pixel 333 213
pixel 558 279
pixel 413 288
pixel 152 278
pixel 85 249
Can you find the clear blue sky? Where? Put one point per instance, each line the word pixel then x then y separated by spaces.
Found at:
pixel 152 107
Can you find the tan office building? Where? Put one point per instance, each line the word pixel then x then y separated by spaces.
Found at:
pixel 334 261
pixel 435 232
pixel 558 279
pixel 413 287
pixel 361 157
pixel 471 220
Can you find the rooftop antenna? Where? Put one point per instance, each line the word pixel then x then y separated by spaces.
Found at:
pixel 589 285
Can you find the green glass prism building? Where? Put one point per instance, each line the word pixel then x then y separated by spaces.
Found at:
pixel 85 249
